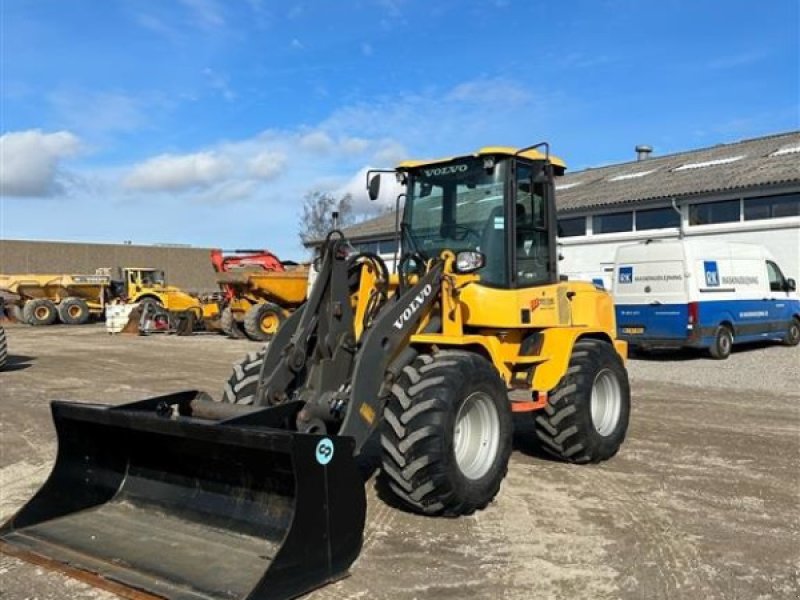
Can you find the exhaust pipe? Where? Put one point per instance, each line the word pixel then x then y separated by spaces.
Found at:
pixel 184 498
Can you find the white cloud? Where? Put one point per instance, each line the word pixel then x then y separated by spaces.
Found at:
pixel 317 142
pixel 267 164
pixel 297 44
pixel 228 192
pixel 390 153
pixel 169 172
pixel 354 145
pixel 29 161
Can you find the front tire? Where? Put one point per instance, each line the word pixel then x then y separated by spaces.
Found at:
pixel 446 435
pixel 262 321
pixel 792 337
pixel 723 343
pixel 242 385
pixel 586 417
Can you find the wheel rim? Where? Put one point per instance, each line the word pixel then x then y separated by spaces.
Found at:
pixel 725 343
pixel 269 323
pixel 74 311
pixel 606 402
pixel 41 312
pixel 477 435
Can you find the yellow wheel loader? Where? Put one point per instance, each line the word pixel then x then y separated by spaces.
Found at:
pixel 260 496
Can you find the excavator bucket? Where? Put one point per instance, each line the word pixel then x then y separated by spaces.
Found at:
pixel 180 497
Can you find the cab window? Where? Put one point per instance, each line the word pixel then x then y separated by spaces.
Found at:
pixel 776 280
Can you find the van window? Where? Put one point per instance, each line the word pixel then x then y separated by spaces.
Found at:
pixel 775 277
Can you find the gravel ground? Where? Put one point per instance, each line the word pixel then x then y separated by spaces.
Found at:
pixel 763 367
pixel 703 500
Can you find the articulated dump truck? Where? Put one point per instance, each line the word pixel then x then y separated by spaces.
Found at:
pixel 44 299
pixel 261 496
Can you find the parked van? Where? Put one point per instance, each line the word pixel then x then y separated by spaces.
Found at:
pixel 702 294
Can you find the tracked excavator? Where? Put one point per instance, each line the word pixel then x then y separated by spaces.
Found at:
pixel 262 495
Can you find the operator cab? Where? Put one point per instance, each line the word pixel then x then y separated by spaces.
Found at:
pixel 498 202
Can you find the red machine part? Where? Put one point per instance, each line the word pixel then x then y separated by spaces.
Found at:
pixel 230 260
pixel 224 261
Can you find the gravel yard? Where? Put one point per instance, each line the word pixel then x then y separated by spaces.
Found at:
pixel 703 500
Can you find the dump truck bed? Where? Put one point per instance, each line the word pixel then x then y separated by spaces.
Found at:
pixel 287 288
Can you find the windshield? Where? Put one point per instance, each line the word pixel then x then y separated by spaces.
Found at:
pixel 457 206
pixel 153 277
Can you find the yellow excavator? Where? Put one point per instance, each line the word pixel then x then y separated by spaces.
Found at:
pixel 260 496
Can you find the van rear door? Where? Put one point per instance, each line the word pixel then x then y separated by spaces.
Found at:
pixel 651 301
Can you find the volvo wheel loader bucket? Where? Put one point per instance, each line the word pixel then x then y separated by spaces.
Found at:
pixel 182 498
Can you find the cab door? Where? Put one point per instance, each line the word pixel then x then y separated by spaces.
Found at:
pixel 780 306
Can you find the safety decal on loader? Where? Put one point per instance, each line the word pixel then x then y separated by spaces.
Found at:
pixel 324 451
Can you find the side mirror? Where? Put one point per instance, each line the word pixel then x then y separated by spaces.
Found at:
pixel 791 285
pixel 374 186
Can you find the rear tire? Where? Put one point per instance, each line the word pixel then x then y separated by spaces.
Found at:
pixel 73 311
pixel 792 337
pixel 723 343
pixel 40 311
pixel 3 348
pixel 242 385
pixel 586 417
pixel 230 326
pixel 446 435
pixel 262 321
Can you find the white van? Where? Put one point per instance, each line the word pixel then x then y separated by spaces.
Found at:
pixel 702 294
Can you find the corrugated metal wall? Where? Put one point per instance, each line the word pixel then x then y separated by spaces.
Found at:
pixel 188 268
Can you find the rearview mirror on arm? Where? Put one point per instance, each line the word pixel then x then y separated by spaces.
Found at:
pixel 791 285
pixel 374 186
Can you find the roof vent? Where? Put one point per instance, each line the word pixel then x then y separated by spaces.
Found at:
pixel 643 151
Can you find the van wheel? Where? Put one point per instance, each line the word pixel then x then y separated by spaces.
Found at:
pixel 723 343
pixel 446 435
pixel 586 417
pixel 792 337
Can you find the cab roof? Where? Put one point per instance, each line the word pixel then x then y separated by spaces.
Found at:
pixel 487 151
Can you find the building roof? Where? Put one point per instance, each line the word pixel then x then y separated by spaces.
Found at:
pixel 760 162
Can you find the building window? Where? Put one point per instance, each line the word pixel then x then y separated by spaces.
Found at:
pixel 657 218
pixel 572 227
pixel 613 223
pixel 707 213
pixel 772 207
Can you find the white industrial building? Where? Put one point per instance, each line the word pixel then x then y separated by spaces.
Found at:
pixel 747 191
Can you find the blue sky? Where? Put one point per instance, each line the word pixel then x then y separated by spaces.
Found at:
pixel 205 122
